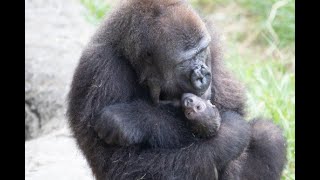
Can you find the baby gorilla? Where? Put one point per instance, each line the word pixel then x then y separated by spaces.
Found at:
pixel 204 117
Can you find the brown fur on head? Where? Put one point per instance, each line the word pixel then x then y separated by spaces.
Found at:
pixel 158 39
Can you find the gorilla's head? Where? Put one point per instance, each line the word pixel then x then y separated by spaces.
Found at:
pixel 182 54
pixel 177 57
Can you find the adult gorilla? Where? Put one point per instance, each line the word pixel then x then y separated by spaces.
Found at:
pixel 147 53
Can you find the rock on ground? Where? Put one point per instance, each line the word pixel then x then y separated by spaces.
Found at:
pixel 55 157
pixel 56 32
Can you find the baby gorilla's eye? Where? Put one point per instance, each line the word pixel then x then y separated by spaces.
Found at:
pixel 189 114
pixel 198 107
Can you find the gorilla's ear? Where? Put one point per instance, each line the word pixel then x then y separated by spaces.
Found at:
pixel 227 92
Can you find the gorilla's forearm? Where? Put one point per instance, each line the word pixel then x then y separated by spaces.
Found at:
pixel 119 125
pixel 138 122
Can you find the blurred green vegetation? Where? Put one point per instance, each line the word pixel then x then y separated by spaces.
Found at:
pixel 96 10
pixel 260 41
pixel 274 18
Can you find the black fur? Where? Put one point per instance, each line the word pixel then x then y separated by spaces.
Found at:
pixel 124 136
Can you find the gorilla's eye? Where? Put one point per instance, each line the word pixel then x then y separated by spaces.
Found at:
pixel 190 113
pixel 198 107
pixel 201 55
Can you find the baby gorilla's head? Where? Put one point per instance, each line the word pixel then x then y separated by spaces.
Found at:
pixel 203 115
pixel 195 107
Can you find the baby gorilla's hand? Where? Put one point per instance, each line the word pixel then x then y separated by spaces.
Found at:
pixel 204 116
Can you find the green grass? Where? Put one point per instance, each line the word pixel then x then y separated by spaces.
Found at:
pixel 283 23
pixel 270 81
pixel 270 93
pixel 279 31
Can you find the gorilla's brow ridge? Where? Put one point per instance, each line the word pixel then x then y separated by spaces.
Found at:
pixel 204 42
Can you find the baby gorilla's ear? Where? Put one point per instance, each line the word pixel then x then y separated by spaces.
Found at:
pixel 209 102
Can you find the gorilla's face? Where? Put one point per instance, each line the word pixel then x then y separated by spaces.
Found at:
pixel 192 72
pixel 182 54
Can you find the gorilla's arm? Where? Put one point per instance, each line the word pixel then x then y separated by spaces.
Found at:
pixel 232 138
pixel 199 159
pixel 138 122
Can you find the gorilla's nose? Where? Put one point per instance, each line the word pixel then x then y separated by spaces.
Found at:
pixel 200 78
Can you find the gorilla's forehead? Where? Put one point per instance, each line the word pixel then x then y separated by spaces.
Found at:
pixel 181 27
pixel 182 18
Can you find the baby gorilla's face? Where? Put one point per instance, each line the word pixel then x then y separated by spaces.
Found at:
pixel 197 108
pixel 203 116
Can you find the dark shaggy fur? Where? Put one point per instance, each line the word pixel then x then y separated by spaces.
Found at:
pixel 124 136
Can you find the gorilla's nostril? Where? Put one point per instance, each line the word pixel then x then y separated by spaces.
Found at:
pixel 201 79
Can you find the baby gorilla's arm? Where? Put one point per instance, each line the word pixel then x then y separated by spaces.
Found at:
pixel 203 116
